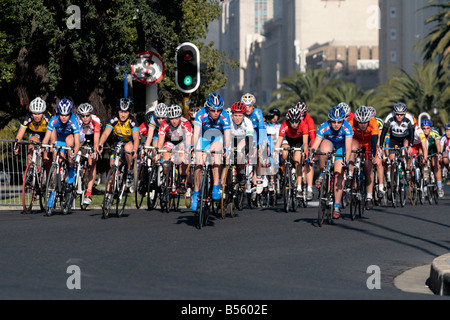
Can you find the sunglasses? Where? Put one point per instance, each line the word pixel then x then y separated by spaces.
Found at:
pixel 85 115
pixel 215 111
pixel 294 122
pixel 337 122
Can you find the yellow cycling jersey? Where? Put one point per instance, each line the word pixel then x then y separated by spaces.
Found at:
pixel 40 127
pixel 123 130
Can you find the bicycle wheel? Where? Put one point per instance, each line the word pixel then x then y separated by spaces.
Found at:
pixel 29 185
pixel 121 191
pixel 203 209
pixel 354 189
pixel 109 194
pixel 226 200
pixel 153 190
pixel 51 190
pixel 189 185
pixel 84 185
pixel 323 201
pixel 141 185
pixel 435 194
pixel 402 191
pixel 287 190
pixel 394 186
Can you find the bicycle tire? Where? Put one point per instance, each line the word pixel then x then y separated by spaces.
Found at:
pixel 353 195
pixel 121 191
pixel 402 192
pixel 29 197
pixel 108 198
pixel 141 185
pixel 84 186
pixel 394 186
pixel 226 206
pixel 153 190
pixel 51 186
pixel 323 201
pixel 287 186
pixel 203 205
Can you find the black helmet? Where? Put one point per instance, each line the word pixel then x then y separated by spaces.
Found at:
pixel 275 112
pixel 125 104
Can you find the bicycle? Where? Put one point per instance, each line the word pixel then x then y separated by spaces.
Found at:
pixel 416 185
pixel 232 189
pixel 289 180
pixel 326 189
pixel 116 191
pixel 56 189
pixel 170 197
pixel 206 203
pixel 144 180
pixel 34 178
pixel 358 185
pixel 82 174
pixel 430 181
pixel 396 179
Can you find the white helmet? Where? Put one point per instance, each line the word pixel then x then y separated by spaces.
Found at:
pixel 174 111
pixel 38 106
pixel 85 108
pixel 248 99
pixel 160 110
pixel 345 106
pixel 363 114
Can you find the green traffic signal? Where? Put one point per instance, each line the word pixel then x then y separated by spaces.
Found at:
pixel 187 80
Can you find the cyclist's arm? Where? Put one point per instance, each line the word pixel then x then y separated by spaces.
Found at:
pixel 47 136
pixel 105 135
pixel 135 134
pixel 20 133
pixel 197 130
pixel 226 139
pixel 374 144
pixel 348 148
pixel 279 141
pixel 76 142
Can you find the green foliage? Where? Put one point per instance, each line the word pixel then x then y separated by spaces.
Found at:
pixel 41 56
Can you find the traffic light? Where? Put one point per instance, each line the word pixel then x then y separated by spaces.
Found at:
pixel 187 72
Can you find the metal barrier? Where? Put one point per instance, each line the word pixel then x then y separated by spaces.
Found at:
pixel 12 169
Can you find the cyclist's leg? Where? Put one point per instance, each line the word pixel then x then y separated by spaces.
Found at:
pixel 199 162
pixel 129 159
pixel 369 175
pixel 338 180
pixel 437 173
pixel 351 162
pixel 216 146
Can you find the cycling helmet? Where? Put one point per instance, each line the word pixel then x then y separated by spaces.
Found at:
pixel 426 123
pixel 363 114
pixel 374 112
pixel 248 99
pixel 447 126
pixel 148 116
pixel 238 107
pixel 346 107
pixel 193 112
pixel 125 104
pixel 174 111
pixel 85 108
pixel 275 112
pixel 214 101
pixel 337 113
pixel 64 107
pixel 38 106
pixel 160 110
pixel 294 115
pixel 302 107
pixel 400 108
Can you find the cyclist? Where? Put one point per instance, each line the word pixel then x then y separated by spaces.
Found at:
pixel 90 126
pixel 175 133
pixel 64 130
pixel 143 128
pixel 445 148
pixel 257 118
pixel 309 170
pixel 211 131
pixel 126 129
pixel 400 127
pixel 241 131
pixel 336 135
pixel 434 147
pixel 192 113
pixel 154 123
pixel 35 122
pixel 365 136
pixel 294 134
pixel 349 115
pixel 273 130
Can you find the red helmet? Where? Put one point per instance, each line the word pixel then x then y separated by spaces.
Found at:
pixel 238 107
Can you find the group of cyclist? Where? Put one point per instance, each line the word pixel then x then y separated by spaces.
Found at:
pixel 258 139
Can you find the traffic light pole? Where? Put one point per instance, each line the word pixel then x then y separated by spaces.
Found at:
pixel 186 102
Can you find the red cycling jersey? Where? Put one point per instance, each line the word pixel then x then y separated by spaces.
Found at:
pixel 288 131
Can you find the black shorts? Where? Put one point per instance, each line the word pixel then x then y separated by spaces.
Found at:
pixel 294 142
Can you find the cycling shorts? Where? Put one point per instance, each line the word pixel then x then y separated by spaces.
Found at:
pixel 293 142
pixel 204 144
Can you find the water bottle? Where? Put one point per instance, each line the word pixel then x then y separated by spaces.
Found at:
pixel 51 199
pixel 400 172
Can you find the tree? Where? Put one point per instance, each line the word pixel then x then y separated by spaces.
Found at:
pixel 53 60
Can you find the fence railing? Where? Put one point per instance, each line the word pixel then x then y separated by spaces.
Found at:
pixel 12 169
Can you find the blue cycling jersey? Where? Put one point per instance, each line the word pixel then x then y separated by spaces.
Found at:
pixel 336 137
pixel 211 129
pixel 257 119
pixel 64 129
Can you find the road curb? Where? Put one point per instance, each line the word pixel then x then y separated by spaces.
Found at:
pixel 440 275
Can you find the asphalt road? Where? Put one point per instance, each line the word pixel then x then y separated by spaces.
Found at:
pixel 263 254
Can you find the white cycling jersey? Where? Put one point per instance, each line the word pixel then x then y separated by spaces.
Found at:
pixel 242 130
pixel 399 130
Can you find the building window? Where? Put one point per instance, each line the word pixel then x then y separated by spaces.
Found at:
pixel 393 12
pixel 393 56
pixel 393 34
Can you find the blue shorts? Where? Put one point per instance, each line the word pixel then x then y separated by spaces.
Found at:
pixel 339 149
pixel 204 144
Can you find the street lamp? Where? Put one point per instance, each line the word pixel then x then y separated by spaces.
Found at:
pixel 435 113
